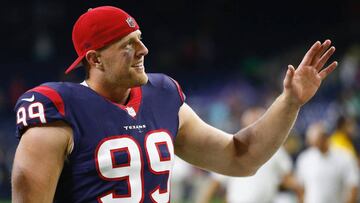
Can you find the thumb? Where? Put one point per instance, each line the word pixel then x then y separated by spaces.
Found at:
pixel 289 76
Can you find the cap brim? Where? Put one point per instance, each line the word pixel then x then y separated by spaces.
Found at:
pixel 75 64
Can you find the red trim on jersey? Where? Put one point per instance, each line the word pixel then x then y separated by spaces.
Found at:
pixel 134 100
pixel 114 195
pixel 179 90
pixel 113 158
pixel 53 95
pixel 160 192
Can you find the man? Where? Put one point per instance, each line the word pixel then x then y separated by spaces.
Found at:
pixel 326 174
pixel 113 137
pixel 344 133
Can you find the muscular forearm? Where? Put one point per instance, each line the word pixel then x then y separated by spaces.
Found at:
pixel 261 140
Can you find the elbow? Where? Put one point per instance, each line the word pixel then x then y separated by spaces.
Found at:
pixel 243 161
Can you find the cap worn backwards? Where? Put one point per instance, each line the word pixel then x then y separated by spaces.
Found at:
pixel 99 27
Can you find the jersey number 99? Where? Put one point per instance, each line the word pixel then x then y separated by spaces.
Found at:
pixel 132 171
pixel 34 110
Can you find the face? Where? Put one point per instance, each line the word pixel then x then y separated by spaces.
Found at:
pixel 316 136
pixel 123 61
pixel 350 127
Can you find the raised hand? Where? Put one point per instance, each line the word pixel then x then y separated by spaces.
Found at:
pixel 300 85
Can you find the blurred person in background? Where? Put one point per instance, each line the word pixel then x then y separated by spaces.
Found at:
pixel 326 174
pixel 261 187
pixel 182 181
pixel 114 136
pixel 344 135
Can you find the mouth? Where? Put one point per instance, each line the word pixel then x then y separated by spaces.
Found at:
pixel 138 65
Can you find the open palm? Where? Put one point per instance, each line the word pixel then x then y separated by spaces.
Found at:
pixel 300 85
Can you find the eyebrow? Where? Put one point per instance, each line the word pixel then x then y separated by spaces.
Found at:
pixel 138 35
pixel 134 38
pixel 131 39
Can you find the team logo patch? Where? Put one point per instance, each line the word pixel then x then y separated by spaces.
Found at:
pixel 131 111
pixel 130 21
pixel 135 127
pixel 31 99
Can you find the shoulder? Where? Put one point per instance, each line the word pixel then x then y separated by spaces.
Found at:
pixel 337 137
pixel 166 83
pixel 305 155
pixel 281 153
pixel 342 156
pixel 53 88
pixel 47 93
pixel 42 105
pixel 282 157
pixel 161 80
pixel 62 88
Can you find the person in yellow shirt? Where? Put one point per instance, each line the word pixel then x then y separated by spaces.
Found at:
pixel 343 135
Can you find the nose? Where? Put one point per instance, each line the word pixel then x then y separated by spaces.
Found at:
pixel 141 50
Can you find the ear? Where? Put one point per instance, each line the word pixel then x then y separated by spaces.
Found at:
pixel 93 58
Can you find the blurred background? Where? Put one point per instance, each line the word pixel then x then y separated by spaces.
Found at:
pixel 227 55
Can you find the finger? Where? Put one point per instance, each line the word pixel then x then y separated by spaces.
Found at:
pixel 289 76
pixel 325 46
pixel 324 58
pixel 326 71
pixel 308 58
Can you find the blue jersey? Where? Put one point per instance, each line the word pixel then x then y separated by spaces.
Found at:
pixel 121 153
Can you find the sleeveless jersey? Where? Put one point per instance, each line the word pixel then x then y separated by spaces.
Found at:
pixel 121 153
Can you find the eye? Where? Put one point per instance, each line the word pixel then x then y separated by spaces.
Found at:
pixel 128 44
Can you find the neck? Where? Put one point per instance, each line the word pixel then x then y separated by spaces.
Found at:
pixel 324 148
pixel 114 93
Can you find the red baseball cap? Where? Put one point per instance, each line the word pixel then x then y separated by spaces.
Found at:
pixel 99 27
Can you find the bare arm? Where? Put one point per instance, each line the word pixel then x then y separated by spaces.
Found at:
pixel 235 155
pixel 290 182
pixel 38 162
pixel 243 153
pixel 300 194
pixel 209 191
pixel 353 194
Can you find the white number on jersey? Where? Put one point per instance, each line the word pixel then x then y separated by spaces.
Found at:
pixel 35 110
pixel 132 171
